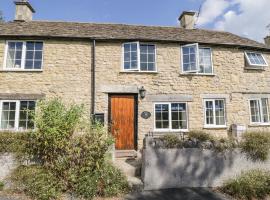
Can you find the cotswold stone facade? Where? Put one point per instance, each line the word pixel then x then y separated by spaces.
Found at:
pixel 66 73
pixel 230 81
pixel 83 63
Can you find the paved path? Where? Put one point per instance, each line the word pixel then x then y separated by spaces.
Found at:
pixel 177 194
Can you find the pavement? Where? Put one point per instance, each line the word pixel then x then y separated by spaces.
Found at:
pixel 178 194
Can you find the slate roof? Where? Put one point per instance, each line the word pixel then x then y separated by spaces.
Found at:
pixel 123 32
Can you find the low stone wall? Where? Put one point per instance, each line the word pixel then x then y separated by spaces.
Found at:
pixel 192 167
pixel 7 164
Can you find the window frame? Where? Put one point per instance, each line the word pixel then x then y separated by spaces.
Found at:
pixel 138 58
pixel 261 111
pixel 214 113
pixel 170 118
pixel 17 115
pixel 196 72
pixel 23 59
pixel 255 65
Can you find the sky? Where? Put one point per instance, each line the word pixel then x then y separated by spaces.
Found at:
pixel 248 18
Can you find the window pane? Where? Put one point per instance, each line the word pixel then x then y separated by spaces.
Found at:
pixel 29 64
pixel 38 46
pixel 255 111
pixel 209 109
pixel 179 117
pixel 255 58
pixel 8 115
pixel 37 65
pixel 147 57
pixel 134 47
pixel 162 116
pixel 30 46
pixel 30 55
pixel 205 60
pixel 33 55
pixel 14 55
pixel 265 110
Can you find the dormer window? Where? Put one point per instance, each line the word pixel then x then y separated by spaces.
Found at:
pixel 23 55
pixel 139 57
pixel 196 59
pixel 255 59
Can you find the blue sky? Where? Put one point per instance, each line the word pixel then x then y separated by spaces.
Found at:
pixel 235 16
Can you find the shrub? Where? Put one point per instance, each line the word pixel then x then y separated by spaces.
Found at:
pixel 55 124
pixel 249 185
pixel 200 135
pixel 11 142
pixel 172 141
pixel 111 181
pixel 1 185
pixel 256 145
pixel 222 144
pixel 36 182
pixel 86 185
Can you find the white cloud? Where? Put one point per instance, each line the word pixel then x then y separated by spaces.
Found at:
pixel 248 18
pixel 211 9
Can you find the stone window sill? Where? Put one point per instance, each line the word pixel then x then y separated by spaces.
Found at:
pixel 258 125
pixel 193 74
pixel 215 127
pixel 21 70
pixel 138 72
pixel 255 68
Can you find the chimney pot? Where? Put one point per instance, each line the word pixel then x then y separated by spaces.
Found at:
pixel 24 11
pixel 187 19
pixel 267 41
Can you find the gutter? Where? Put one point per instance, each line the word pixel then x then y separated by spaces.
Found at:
pixel 93 79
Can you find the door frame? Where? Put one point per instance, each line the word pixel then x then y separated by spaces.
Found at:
pixel 135 95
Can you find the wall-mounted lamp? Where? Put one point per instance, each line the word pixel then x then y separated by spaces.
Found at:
pixel 142 92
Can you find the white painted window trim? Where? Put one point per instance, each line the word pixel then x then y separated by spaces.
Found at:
pixel 5 68
pixel 170 117
pixel 256 65
pixel 138 58
pixel 17 114
pixel 261 112
pixel 196 72
pixel 214 113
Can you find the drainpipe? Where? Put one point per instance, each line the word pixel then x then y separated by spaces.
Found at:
pixel 93 78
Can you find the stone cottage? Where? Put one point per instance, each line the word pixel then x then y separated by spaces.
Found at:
pixel 137 79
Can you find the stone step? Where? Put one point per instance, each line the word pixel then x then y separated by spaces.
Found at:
pixel 125 154
pixel 135 183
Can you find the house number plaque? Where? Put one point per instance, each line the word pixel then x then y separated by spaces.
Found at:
pixel 145 114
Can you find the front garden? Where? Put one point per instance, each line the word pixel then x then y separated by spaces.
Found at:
pixel 240 169
pixel 65 154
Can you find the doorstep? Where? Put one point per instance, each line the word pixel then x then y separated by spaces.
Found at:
pixel 125 154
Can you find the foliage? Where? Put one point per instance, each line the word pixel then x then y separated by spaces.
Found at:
pixel 249 185
pixel 223 144
pixel 55 125
pixel 36 182
pixel 1 185
pixel 172 141
pixel 11 142
pixel 111 181
pixel 256 145
pixel 200 135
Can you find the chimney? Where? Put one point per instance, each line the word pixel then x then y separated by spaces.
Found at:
pixel 267 41
pixel 187 19
pixel 24 11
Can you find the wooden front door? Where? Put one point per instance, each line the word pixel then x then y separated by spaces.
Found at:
pixel 122 120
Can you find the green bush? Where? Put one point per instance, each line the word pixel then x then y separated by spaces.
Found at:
pixel 200 135
pixel 36 182
pixel 11 142
pixel 256 145
pixel 249 185
pixel 55 125
pixel 111 181
pixel 1 185
pixel 172 141
pixel 86 185
pixel 222 144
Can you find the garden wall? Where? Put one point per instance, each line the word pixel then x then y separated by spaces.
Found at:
pixel 192 167
pixel 7 164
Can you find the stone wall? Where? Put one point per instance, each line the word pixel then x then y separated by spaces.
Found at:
pixel 7 164
pixel 66 73
pixel 192 167
pixel 230 81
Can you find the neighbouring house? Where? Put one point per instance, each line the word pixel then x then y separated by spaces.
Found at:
pixel 137 79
